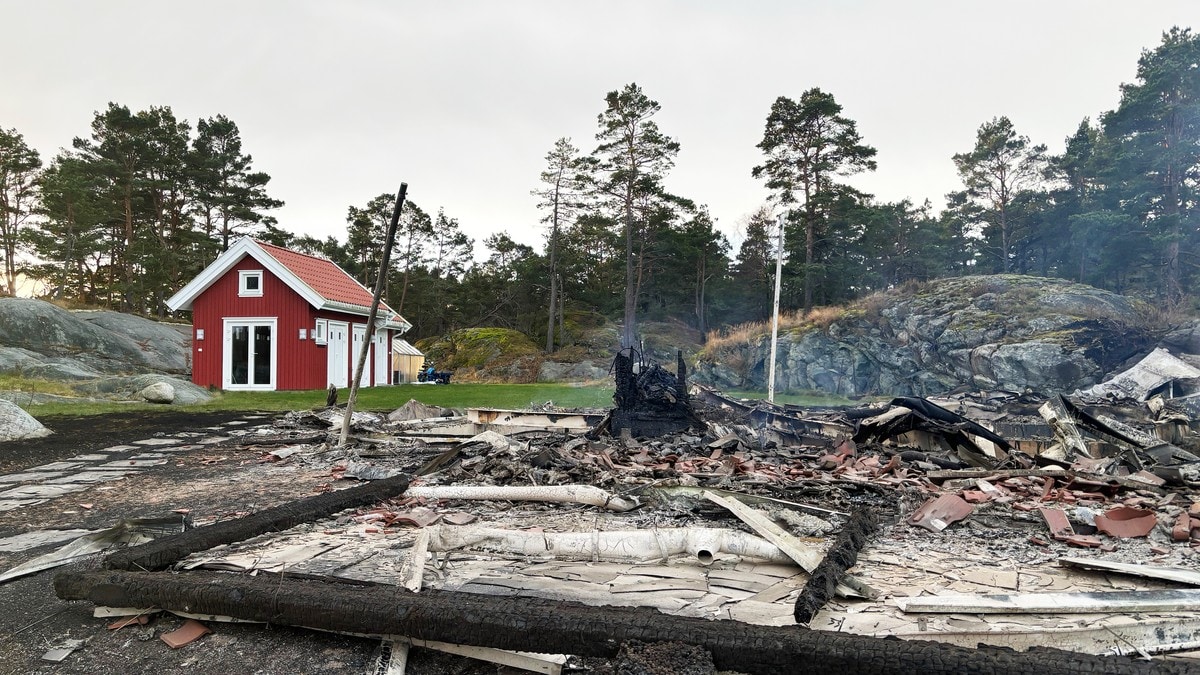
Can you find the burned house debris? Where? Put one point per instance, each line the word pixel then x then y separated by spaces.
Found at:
pixel 650 401
pixel 773 538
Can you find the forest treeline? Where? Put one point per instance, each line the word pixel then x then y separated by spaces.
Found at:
pixel 134 209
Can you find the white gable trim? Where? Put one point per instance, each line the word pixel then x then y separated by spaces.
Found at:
pixel 224 262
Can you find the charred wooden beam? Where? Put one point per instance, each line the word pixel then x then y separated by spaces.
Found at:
pixel 162 553
pixel 534 624
pixel 840 557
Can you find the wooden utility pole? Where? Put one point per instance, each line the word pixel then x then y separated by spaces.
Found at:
pixel 379 282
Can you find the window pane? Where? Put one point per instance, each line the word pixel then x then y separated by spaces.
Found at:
pixel 262 355
pixel 239 355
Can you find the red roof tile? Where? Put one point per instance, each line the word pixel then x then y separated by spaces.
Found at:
pixel 323 276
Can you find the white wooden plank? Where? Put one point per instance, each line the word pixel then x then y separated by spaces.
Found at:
pixel 413 570
pixel 550 664
pixel 808 557
pixel 1183 576
pixel 1057 603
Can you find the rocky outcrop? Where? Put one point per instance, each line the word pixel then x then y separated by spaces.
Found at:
pixel 16 424
pixel 584 371
pixel 980 332
pixel 484 355
pixel 98 354
pixel 39 339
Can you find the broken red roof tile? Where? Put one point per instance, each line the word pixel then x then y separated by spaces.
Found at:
pixel 976 496
pixel 937 514
pixel 139 620
pixel 1182 530
pixel 1084 541
pixel 1056 520
pixel 1124 521
pixel 418 515
pixel 459 518
pixel 189 632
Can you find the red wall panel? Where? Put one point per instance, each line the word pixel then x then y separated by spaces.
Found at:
pixel 301 363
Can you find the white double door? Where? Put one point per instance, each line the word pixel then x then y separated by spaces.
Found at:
pixel 249 354
pixel 342 340
pixel 336 349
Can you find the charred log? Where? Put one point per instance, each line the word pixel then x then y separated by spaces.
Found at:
pixel 841 557
pixel 534 624
pixel 162 553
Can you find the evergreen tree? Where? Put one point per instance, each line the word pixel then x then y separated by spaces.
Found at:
pixel 1156 129
pixel 20 166
pixel 754 267
pixel 807 143
pixel 230 197
pixel 632 159
pixel 998 173
pixel 140 161
pixel 560 195
pixel 366 229
pixel 70 236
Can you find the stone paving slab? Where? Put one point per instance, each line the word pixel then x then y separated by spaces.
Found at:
pixel 148 455
pixel 30 476
pixel 210 440
pixel 10 504
pixel 41 491
pixel 119 448
pixel 55 466
pixel 130 464
pixel 98 457
pixel 157 441
pixel 90 477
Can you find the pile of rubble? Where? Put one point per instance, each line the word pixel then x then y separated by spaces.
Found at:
pixel 775 538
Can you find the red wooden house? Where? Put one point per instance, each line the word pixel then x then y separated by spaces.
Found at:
pixel 268 318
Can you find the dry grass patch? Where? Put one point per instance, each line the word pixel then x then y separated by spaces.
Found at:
pixel 749 333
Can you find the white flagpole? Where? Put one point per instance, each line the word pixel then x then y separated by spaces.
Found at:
pixel 775 315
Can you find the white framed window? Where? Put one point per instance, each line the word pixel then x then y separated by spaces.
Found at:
pixel 320 330
pixel 250 283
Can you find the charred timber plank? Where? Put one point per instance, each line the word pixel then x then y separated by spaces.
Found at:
pixel 840 557
pixel 534 624
pixel 164 552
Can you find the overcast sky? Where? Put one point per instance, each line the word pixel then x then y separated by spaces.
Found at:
pixel 340 101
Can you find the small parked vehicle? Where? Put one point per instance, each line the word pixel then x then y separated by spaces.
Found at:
pixel 431 374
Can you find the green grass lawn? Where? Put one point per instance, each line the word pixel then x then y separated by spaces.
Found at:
pixel 389 398
pixel 372 398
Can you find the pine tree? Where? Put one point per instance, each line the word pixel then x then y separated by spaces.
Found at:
pixel 560 196
pixel 807 143
pixel 999 173
pixel 632 159
pixel 20 167
pixel 1156 129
